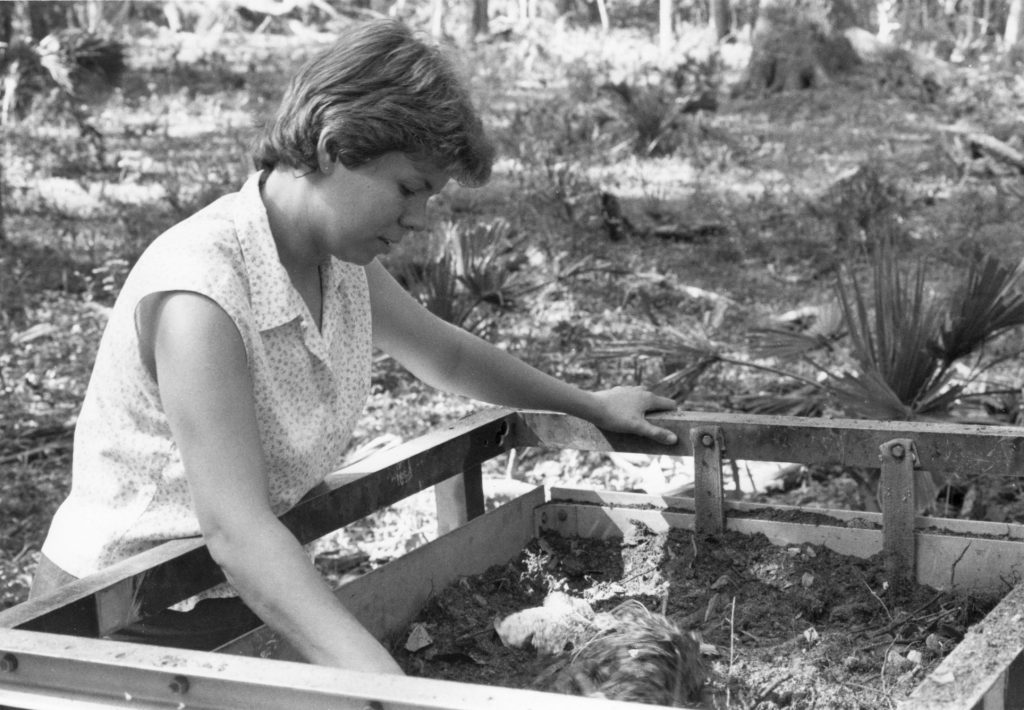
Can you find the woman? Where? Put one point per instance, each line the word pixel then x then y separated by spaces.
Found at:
pixel 237 358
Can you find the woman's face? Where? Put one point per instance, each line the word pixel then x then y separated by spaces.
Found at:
pixel 356 215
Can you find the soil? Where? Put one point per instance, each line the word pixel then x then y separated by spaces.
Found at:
pixel 778 627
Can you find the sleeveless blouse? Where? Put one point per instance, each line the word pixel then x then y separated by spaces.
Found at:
pixel 129 491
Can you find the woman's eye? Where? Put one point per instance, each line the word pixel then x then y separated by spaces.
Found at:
pixel 405 191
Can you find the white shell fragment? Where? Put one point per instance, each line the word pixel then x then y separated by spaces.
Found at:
pixel 419 638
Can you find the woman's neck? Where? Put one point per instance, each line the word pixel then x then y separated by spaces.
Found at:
pixel 282 194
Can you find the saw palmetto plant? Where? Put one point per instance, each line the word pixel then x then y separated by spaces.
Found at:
pixel 891 347
pixel 989 303
pixel 483 264
pixel 468 267
pixel 912 350
pixel 435 284
pixel 892 328
pixel 907 340
pixel 904 349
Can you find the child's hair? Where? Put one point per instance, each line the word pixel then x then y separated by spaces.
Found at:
pixel 375 91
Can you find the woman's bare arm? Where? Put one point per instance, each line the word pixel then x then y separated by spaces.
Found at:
pixel 454 360
pixel 207 394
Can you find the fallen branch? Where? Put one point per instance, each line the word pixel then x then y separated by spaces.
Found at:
pixel 990 145
pixel 44 449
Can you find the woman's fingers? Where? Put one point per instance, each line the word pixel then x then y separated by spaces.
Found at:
pixel 625 409
pixel 662 436
pixel 660 403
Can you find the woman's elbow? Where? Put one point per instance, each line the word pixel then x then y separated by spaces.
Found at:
pixel 231 542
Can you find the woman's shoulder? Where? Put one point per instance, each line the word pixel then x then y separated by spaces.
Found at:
pixel 201 253
pixel 209 231
pixel 206 241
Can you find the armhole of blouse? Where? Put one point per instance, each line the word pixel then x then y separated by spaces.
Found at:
pixel 145 327
pixel 145 331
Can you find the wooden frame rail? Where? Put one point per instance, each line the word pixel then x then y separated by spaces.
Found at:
pixel 949 448
pixel 165 575
pixel 57 672
pixel 158 578
pixel 153 580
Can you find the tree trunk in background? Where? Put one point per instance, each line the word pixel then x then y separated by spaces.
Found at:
pixel 45 17
pixel 3 230
pixel 6 22
pixel 480 22
pixel 1014 24
pixel 437 19
pixel 888 20
pixel 665 25
pixel 721 18
pixel 602 14
pixel 10 14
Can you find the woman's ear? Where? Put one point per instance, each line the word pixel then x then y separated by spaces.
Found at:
pixel 324 163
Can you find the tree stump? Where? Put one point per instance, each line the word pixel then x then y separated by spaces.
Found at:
pixel 798 44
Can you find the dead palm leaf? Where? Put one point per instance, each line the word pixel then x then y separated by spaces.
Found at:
pixel 784 342
pixel 801 400
pixel 679 384
pixel 683 342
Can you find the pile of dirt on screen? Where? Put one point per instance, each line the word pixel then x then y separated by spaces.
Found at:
pixel 761 626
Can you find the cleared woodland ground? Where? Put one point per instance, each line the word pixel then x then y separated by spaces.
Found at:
pixel 744 220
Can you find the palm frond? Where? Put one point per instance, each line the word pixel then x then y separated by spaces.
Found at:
pixel 799 332
pixel 482 264
pixel 676 342
pixel 867 394
pixel 679 384
pixel 435 283
pixel 799 401
pixel 988 302
pixel 782 343
pixel 892 330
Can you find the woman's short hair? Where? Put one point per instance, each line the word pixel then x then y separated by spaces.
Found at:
pixel 378 90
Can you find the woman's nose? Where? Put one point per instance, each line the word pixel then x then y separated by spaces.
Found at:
pixel 415 215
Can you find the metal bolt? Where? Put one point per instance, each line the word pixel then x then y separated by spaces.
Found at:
pixel 707 440
pixel 543 518
pixel 179 685
pixel 563 516
pixel 8 663
pixel 374 705
pixel 897 451
pixel 503 430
